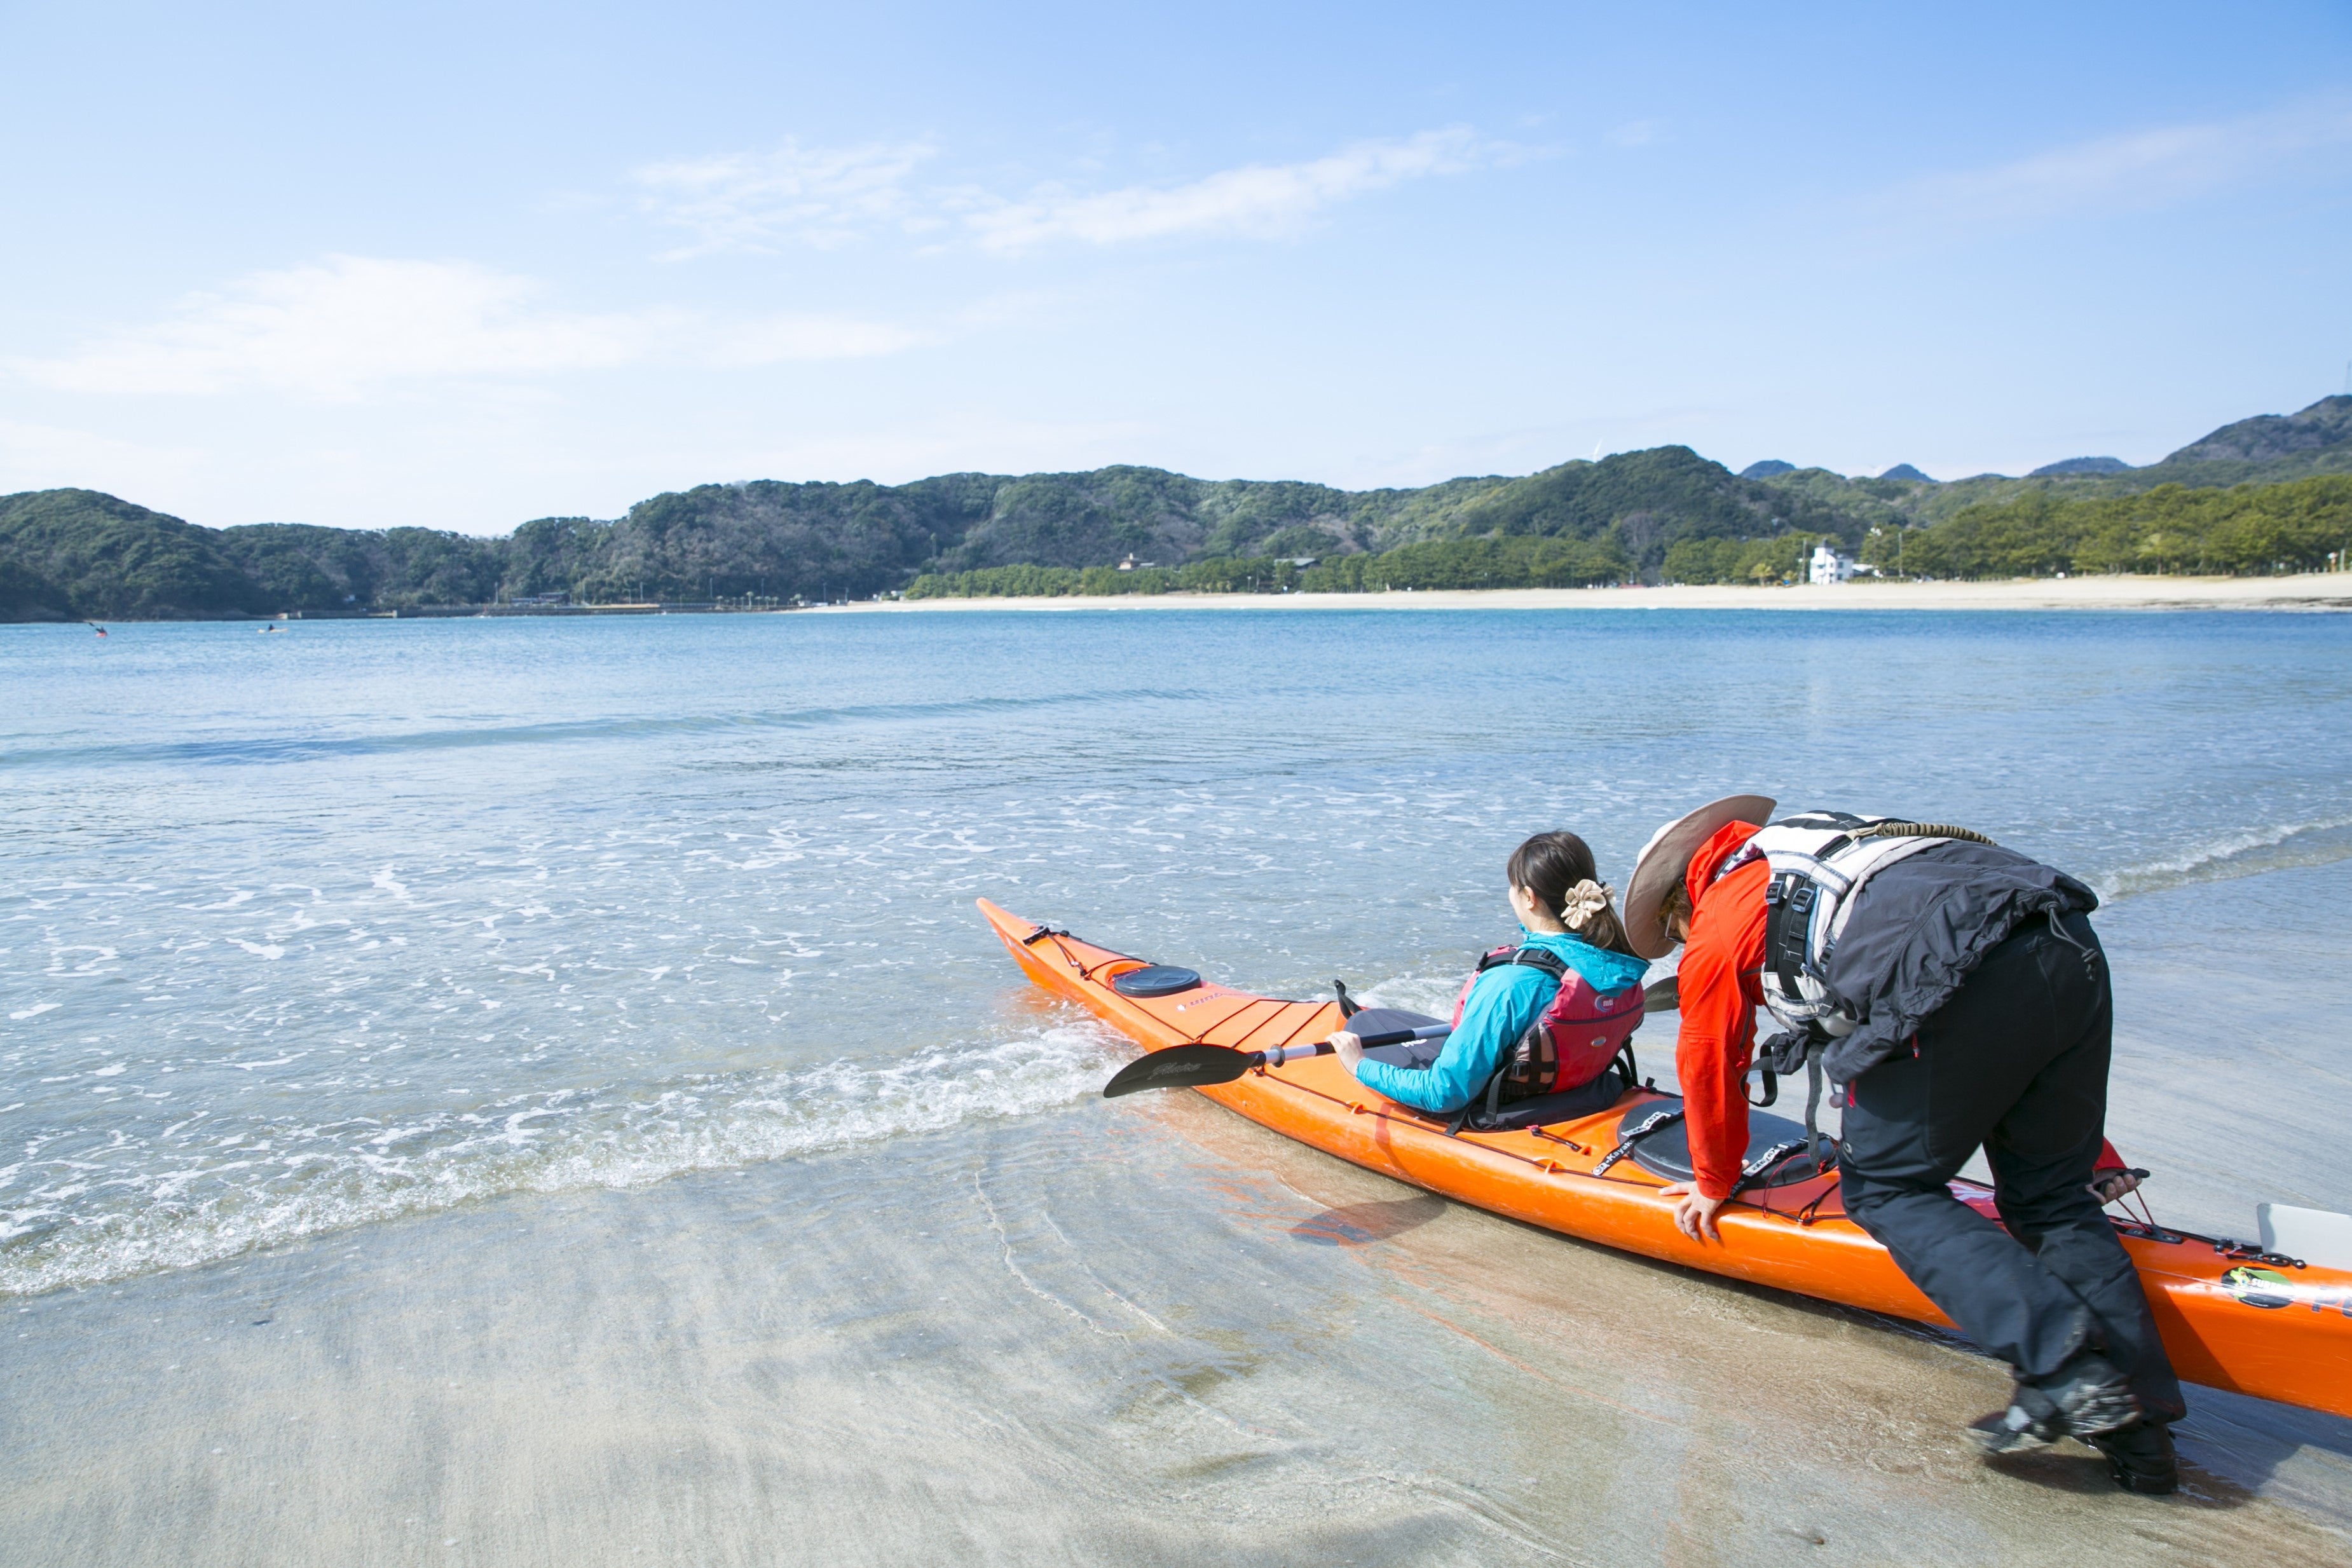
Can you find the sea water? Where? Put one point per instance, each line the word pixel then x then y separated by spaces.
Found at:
pixel 355 938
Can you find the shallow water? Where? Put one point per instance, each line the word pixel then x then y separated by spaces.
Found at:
pixel 326 938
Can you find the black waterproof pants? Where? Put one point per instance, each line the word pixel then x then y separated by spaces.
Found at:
pixel 2015 1062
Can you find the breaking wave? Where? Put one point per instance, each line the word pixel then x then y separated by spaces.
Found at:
pixel 303 1182
pixel 2252 853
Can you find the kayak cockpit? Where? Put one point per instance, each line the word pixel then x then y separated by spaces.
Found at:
pixel 1775 1154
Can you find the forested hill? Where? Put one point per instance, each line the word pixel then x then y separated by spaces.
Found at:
pixel 73 553
pixel 2270 448
pixel 68 554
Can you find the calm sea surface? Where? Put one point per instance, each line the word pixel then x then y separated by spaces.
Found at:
pixel 303 932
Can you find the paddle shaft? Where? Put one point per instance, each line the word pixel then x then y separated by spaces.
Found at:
pixel 1279 1054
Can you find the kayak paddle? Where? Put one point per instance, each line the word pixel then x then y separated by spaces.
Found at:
pixel 1192 1066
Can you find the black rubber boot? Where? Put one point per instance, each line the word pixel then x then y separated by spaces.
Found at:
pixel 2082 1399
pixel 2092 1396
pixel 2141 1458
pixel 2032 1421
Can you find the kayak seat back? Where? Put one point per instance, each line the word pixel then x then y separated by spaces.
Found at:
pixel 1666 1150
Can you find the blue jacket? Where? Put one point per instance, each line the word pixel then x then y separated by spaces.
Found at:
pixel 1503 1003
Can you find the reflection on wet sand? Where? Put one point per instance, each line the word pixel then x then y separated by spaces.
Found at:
pixel 1354 1224
pixel 1119 1333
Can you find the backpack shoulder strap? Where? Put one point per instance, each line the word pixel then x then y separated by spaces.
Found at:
pixel 1550 963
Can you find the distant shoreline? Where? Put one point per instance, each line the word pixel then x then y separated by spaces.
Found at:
pixel 2305 592
pixel 2309 592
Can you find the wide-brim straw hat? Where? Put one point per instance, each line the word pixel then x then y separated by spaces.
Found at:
pixel 1666 860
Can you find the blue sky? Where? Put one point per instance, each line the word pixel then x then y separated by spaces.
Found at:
pixel 463 266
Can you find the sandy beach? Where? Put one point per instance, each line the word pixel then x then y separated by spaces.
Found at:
pixel 2307 591
pixel 710 1371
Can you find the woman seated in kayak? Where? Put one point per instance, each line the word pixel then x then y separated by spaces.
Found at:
pixel 1540 1018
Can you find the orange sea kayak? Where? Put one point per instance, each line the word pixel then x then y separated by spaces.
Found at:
pixel 2233 1316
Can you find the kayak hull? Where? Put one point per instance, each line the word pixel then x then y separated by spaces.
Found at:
pixel 2230 1319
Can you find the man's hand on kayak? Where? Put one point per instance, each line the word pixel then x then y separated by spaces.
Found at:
pixel 1348 1049
pixel 2112 1185
pixel 1695 1215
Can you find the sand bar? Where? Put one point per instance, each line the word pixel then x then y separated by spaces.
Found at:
pixel 2307 591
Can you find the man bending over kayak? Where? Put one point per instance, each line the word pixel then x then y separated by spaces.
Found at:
pixel 1539 1018
pixel 1957 992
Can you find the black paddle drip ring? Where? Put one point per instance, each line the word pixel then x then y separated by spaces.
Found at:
pixel 1155 981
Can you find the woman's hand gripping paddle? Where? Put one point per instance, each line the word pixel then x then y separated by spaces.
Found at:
pixel 1195 1066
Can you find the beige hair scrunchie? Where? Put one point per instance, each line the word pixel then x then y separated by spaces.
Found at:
pixel 1585 900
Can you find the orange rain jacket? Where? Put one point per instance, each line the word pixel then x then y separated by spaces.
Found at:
pixel 1720 985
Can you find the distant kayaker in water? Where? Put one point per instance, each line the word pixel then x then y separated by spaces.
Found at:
pixel 1957 994
pixel 1540 1018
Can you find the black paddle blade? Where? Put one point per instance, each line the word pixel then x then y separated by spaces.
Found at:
pixel 1662 996
pixel 1179 1067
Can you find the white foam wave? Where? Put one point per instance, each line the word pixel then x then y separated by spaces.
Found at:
pixel 712 1123
pixel 2250 853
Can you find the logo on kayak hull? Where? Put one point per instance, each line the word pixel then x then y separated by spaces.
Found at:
pixel 2257 1288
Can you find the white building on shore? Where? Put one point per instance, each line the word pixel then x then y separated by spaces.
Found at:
pixel 1828 566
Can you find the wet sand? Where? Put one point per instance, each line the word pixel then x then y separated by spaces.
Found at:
pixel 1124 1333
pixel 2310 590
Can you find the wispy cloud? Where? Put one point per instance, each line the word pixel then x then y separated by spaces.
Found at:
pixel 826 196
pixel 342 326
pixel 2138 170
pixel 819 196
pixel 1257 200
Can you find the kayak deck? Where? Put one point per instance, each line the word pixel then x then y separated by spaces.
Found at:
pixel 2232 1317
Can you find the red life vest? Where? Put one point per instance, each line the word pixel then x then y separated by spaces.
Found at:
pixel 1574 1040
